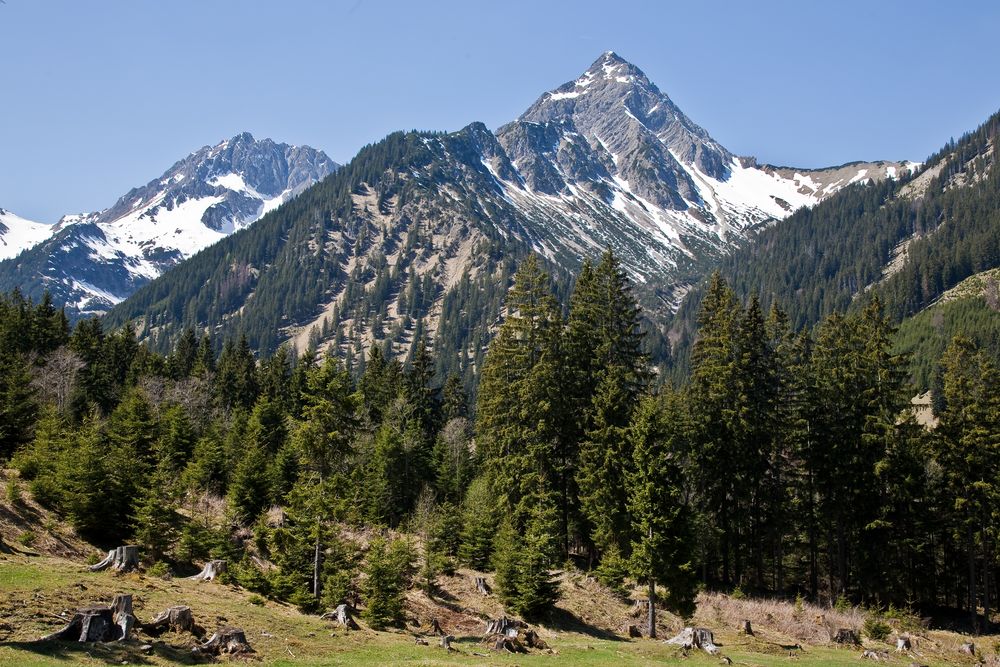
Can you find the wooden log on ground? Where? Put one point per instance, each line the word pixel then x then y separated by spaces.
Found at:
pixel 210 571
pixel 847 636
pixel 747 628
pixel 119 559
pixel 177 619
pixel 225 641
pixel 482 586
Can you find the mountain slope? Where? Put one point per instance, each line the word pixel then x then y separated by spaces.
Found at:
pixel 419 233
pixel 92 261
pixel 907 241
pixel 18 234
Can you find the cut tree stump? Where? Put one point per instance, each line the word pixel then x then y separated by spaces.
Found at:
pixel 903 644
pixel 968 647
pixel 509 644
pixel 508 627
pixel 847 636
pixel 633 632
pixel 343 616
pixel 436 627
pixel 121 614
pixel 210 571
pixel 89 624
pixel 747 628
pixel 99 623
pixel 702 638
pixel 482 586
pixel 446 641
pixel 119 559
pixel 532 640
pixel 639 609
pixel 178 619
pixel 228 641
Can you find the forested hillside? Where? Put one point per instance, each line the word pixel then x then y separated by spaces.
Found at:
pixel 788 465
pixel 907 241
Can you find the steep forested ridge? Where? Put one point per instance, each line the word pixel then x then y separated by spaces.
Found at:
pixel 907 241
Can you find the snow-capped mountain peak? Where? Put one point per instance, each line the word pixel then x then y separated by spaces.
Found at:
pixel 18 234
pixel 105 256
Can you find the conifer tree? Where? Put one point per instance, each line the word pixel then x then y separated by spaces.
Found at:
pixel 662 535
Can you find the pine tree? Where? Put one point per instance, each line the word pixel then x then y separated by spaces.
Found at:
pixel 155 514
pixel 386 568
pixel 662 535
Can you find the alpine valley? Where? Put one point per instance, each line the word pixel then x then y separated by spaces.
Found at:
pixel 420 233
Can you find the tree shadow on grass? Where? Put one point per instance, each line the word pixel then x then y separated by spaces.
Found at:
pixel 565 621
pixel 112 653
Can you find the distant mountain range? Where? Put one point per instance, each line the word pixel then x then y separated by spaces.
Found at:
pixel 89 262
pixel 422 226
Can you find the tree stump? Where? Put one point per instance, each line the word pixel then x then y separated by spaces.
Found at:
pixel 177 619
pixel 120 559
pixel 633 632
pixel 228 640
pixel 747 628
pixel 903 644
pixel 420 641
pixel 509 644
pixel 210 571
pixel 343 616
pixel 121 610
pixel 968 647
pixel 847 636
pixel 436 627
pixel 702 638
pixel 446 641
pixel 639 609
pixel 89 624
pixel 504 626
pixel 532 640
pixel 482 586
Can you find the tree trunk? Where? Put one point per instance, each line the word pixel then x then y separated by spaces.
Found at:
pixel 482 586
pixel 973 597
pixel 120 559
pixel 651 619
pixel 747 628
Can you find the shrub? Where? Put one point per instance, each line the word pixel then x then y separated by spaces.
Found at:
pixel 255 600
pixel 159 569
pixel 27 537
pixel 875 628
pixel 13 491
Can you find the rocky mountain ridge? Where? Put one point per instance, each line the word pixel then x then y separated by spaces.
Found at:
pixel 89 262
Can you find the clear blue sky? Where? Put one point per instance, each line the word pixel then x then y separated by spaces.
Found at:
pixel 100 96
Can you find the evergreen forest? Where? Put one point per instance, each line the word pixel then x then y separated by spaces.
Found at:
pixel 785 463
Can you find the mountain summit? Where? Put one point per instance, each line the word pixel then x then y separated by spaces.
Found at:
pixel 419 233
pixel 92 261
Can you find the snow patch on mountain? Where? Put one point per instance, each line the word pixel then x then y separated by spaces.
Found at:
pixel 18 234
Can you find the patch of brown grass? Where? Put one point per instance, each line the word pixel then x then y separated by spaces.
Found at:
pixel 804 622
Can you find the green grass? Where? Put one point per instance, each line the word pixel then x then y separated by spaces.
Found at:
pixel 33 590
